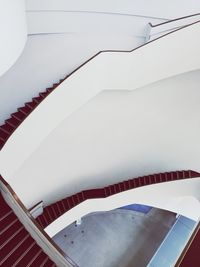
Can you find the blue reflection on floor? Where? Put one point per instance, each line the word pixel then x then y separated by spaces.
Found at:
pixel 137 207
pixel 173 244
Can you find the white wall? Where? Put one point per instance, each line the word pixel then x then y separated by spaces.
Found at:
pixel 116 136
pixel 154 8
pixel 88 22
pixel 48 58
pixel 175 53
pixel 166 196
pixel 13 32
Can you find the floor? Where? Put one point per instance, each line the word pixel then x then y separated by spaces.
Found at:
pixel 119 238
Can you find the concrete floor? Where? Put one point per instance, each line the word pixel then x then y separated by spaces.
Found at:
pixel 118 238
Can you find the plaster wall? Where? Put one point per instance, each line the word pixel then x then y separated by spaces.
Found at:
pixel 171 55
pixel 114 137
pixel 13 32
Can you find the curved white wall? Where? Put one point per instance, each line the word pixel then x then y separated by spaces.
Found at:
pixel 61 54
pixel 116 136
pixel 13 32
pixel 166 196
pixel 154 8
pixel 171 55
pixel 88 22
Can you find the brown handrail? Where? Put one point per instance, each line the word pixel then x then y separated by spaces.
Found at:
pixel 187 247
pixel 104 51
pixel 180 18
pixel 128 51
pixel 41 230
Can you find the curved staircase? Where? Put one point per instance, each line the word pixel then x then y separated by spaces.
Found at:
pixel 55 210
pixel 16 118
pixel 17 247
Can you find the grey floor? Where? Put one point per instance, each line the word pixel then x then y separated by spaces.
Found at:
pixel 118 238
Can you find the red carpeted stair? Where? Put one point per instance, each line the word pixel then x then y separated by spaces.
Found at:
pixel 17 247
pixel 18 117
pixel 55 210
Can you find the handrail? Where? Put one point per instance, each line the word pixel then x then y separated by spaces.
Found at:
pixel 126 51
pixel 166 237
pixel 159 29
pixel 34 229
pixel 169 21
pixel 91 58
pixel 76 199
pixel 188 247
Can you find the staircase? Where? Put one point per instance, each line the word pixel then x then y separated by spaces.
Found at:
pixel 17 247
pixel 16 118
pixel 55 210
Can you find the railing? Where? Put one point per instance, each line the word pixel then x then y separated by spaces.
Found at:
pixel 193 261
pixel 155 31
pixel 172 236
pixel 35 230
pixel 111 70
pixel 59 215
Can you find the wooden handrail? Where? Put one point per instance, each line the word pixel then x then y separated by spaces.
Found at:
pixel 169 21
pixel 94 56
pixel 31 220
pixel 188 246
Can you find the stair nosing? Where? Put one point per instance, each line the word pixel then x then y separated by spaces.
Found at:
pixel 11 237
pixel 8 226
pixel 15 248
pixel 7 214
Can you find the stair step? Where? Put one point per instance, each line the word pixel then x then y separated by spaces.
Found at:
pixel 37 99
pixel 7 128
pixel 49 263
pixel 13 122
pixel 19 115
pixel 55 85
pixel 31 105
pixel 49 90
pixel 15 245
pixel 44 94
pixel 31 256
pixel 5 214
pixel 41 262
pixel 8 235
pixel 25 110
pixel 21 258
pixel 12 252
pixel 7 223
pixel 3 134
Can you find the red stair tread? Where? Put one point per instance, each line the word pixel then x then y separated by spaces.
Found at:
pixel 44 94
pixel 29 254
pixel 3 134
pixel 31 104
pixel 4 208
pixel 49 263
pixel 19 115
pixel 9 234
pixel 25 110
pixel 37 99
pixel 7 222
pixel 2 143
pixel 11 246
pixel 8 128
pixel 14 251
pixel 40 260
pixel 49 90
pixel 13 122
